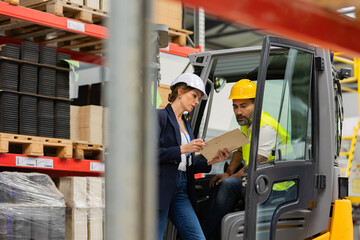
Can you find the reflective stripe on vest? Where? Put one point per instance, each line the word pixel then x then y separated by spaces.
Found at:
pixel 284 141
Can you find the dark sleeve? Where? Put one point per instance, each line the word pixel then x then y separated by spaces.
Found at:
pixel 166 154
pixel 200 164
pixel 169 155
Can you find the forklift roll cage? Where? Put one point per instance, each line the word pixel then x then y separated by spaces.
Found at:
pixel 315 174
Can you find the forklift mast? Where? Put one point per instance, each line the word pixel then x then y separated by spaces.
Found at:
pixel 298 86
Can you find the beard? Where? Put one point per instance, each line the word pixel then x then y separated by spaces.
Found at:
pixel 246 120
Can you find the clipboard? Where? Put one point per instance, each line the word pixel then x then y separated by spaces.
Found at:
pixel 231 140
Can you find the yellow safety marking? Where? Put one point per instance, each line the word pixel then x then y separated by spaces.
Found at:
pixel 341 226
pixel 325 236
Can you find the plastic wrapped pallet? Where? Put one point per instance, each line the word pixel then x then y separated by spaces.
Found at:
pixel 76 223
pixel 95 223
pixel 95 192
pixel 30 207
pixel 74 190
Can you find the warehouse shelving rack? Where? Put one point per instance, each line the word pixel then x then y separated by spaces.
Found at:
pixel 55 166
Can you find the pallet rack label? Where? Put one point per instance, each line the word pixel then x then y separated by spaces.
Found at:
pixel 34 162
pixel 44 163
pixel 78 26
pixel 96 166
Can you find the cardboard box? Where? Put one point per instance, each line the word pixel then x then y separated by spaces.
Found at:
pixel 74 191
pixel 80 2
pixel 164 91
pixel 76 224
pixel 91 124
pixel 105 5
pixel 95 223
pixel 95 192
pixel 92 4
pixel 74 123
pixel 105 126
pixel 168 12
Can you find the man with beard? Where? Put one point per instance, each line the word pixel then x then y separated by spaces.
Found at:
pixel 226 188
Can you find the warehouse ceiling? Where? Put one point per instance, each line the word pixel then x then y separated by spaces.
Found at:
pixel 223 35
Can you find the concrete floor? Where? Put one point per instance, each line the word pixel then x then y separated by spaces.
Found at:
pixel 356 232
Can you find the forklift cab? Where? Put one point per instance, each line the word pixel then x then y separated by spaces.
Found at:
pixel 298 87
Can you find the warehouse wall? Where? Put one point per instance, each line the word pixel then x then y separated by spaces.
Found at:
pixel 351 113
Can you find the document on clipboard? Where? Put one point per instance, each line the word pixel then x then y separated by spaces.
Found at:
pixel 231 140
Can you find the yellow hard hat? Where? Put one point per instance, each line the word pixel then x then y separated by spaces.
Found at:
pixel 243 89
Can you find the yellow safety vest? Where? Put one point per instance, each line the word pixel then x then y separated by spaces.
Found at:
pixel 285 148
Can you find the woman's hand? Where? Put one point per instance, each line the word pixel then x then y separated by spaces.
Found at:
pixel 193 146
pixel 222 155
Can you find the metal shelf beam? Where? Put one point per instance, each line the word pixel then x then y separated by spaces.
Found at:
pixel 297 20
pixel 76 167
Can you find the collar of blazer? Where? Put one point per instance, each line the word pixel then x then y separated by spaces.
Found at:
pixel 174 123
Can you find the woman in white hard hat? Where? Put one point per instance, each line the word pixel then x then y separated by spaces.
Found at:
pixel 177 161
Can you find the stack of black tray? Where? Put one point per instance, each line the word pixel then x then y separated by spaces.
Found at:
pixel 9 70
pixel 47 75
pixel 62 77
pixel 28 115
pixel 29 72
pixel 46 123
pixel 62 119
pixel 9 112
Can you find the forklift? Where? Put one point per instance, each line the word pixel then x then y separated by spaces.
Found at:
pixel 299 87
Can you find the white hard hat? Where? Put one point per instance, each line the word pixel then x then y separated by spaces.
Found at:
pixel 191 80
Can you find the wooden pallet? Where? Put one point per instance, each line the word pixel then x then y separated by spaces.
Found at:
pixel 67 9
pixel 84 150
pixel 19 29
pixel 178 36
pixel 35 146
pixel 12 2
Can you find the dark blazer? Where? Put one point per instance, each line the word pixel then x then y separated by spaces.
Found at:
pixel 169 157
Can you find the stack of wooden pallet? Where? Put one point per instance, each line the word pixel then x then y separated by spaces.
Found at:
pixel 13 2
pixel 91 11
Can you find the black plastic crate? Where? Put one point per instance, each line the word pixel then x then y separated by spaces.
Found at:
pixel 48 55
pixel 46 117
pixel 28 115
pixel 28 78
pixel 30 52
pixel 9 112
pixel 47 79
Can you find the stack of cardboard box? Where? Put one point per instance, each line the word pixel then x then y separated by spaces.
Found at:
pixel 91 124
pixel 74 122
pixel 85 202
pixel 86 124
pixel 168 12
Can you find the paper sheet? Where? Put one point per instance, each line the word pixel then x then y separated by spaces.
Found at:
pixel 230 140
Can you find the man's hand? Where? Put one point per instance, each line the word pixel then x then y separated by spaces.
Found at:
pixel 222 155
pixel 216 180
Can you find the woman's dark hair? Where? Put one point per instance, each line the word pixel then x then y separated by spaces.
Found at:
pixel 174 91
